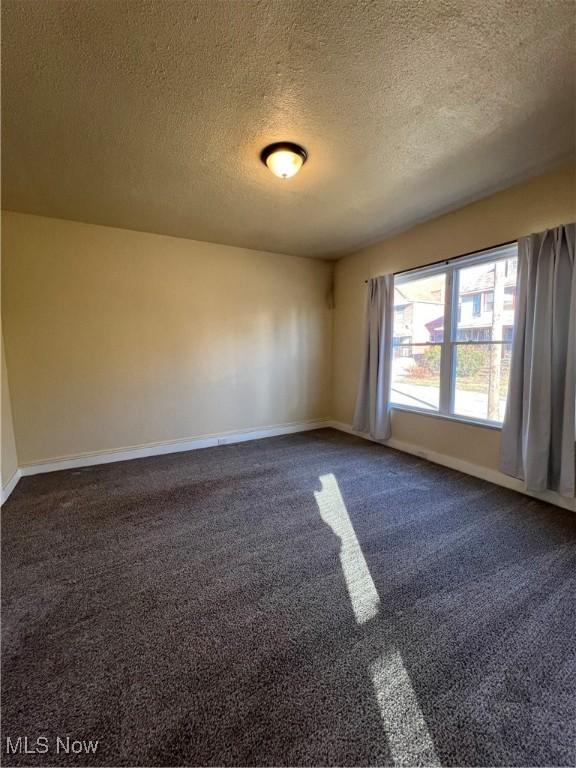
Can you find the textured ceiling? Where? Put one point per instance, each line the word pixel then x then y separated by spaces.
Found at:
pixel 151 115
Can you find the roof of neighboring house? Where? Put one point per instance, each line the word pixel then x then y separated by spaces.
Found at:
pixel 429 290
pixel 473 280
pixel 476 322
pixel 480 281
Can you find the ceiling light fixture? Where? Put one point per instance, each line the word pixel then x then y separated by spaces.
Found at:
pixel 284 158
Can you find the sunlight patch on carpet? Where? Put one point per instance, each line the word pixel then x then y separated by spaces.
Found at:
pixel 359 582
pixel 408 737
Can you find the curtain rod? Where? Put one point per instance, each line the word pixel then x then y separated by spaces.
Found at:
pixel 454 258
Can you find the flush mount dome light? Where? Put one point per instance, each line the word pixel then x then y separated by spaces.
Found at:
pixel 284 158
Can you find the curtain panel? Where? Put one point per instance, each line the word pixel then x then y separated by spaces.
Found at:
pixel 539 427
pixel 372 414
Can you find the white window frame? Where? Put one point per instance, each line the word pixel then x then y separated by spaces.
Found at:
pixel 448 345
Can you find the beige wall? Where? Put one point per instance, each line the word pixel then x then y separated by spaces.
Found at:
pixel 8 459
pixel 530 207
pixel 117 338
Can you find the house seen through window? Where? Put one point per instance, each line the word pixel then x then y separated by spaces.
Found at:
pixel 453 329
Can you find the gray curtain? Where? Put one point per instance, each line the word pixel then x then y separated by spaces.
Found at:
pixel 372 413
pixel 540 424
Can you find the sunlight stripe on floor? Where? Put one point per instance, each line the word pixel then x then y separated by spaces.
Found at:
pixel 363 594
pixel 408 737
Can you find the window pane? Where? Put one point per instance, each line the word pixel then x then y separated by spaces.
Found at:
pixel 486 298
pixel 416 376
pixel 419 310
pixel 482 372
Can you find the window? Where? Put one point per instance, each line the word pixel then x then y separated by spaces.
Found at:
pixel 462 371
pixel 509 296
pixel 418 337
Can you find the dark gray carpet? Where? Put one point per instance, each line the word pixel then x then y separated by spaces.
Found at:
pixel 193 609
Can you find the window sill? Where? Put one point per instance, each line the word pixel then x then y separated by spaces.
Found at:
pixel 447 417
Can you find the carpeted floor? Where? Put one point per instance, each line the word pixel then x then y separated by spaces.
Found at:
pixel 305 600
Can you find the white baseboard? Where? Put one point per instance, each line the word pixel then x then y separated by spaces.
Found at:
pixel 10 485
pixel 169 446
pixel 484 473
pixel 225 438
